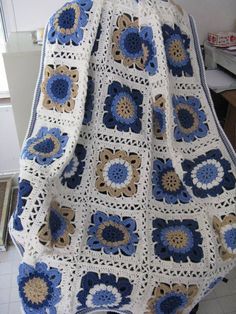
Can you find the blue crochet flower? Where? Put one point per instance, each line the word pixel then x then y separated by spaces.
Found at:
pixel 96 43
pixel 72 174
pixel 209 174
pixel 123 108
pixel 112 234
pixel 24 190
pixel 134 46
pixel 171 303
pixel 189 118
pixel 89 104
pixel 103 292
pixel 48 145
pixel 166 184
pixel 38 288
pixel 177 240
pixel 177 51
pixel 66 25
pixel 172 299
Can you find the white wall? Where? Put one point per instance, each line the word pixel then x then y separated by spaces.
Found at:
pixel 211 15
pixel 33 14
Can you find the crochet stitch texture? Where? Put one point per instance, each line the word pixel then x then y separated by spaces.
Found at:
pixel 127 182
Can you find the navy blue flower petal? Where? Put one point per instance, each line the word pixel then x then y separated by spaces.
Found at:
pixel 189 118
pixel 24 190
pixel 166 184
pixel 46 146
pixel 72 174
pixel 177 240
pixel 134 45
pixel 66 25
pixel 177 47
pixel 112 234
pixel 38 288
pixel 103 292
pixel 89 104
pixel 209 174
pixel 123 108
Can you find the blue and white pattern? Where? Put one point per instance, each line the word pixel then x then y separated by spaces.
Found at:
pixel 24 190
pixel 66 25
pixel 112 234
pixel 133 45
pixel 127 181
pixel 38 288
pixel 103 292
pixel 72 174
pixel 177 46
pixel 177 240
pixel 123 108
pixel 209 174
pixel 189 118
pixel 47 146
pixel 166 184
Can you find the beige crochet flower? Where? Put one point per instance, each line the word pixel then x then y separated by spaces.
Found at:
pixel 159 108
pixel 58 226
pixel 124 22
pixel 118 173
pixel 60 88
pixel 225 230
pixel 163 290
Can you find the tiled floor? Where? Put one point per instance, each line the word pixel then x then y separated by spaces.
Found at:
pixel 221 301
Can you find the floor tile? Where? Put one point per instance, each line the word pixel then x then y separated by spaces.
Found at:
pixel 210 307
pixel 14 308
pixel 14 280
pixel 14 295
pixel 228 303
pixel 5 268
pixel 4 295
pixel 5 280
pixel 225 289
pixel 4 308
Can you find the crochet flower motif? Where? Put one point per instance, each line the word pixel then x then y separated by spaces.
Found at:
pixel 72 174
pixel 112 234
pixel 38 288
pixel 166 184
pixel 177 51
pixel 66 25
pixel 60 88
pixel 190 120
pixel 123 108
pixel 209 174
pixel 58 226
pixel 134 45
pixel 159 116
pixel 171 299
pixel 177 240
pixel 226 233
pixel 24 191
pixel 103 291
pixel 118 173
pixel 89 103
pixel 47 146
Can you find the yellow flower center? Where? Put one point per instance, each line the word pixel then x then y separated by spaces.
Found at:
pixel 36 290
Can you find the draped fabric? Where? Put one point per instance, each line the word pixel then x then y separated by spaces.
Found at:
pixel 127 182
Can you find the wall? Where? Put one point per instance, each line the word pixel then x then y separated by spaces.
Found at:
pixel 211 15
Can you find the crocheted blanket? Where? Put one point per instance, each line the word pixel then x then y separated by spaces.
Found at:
pixel 127 181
